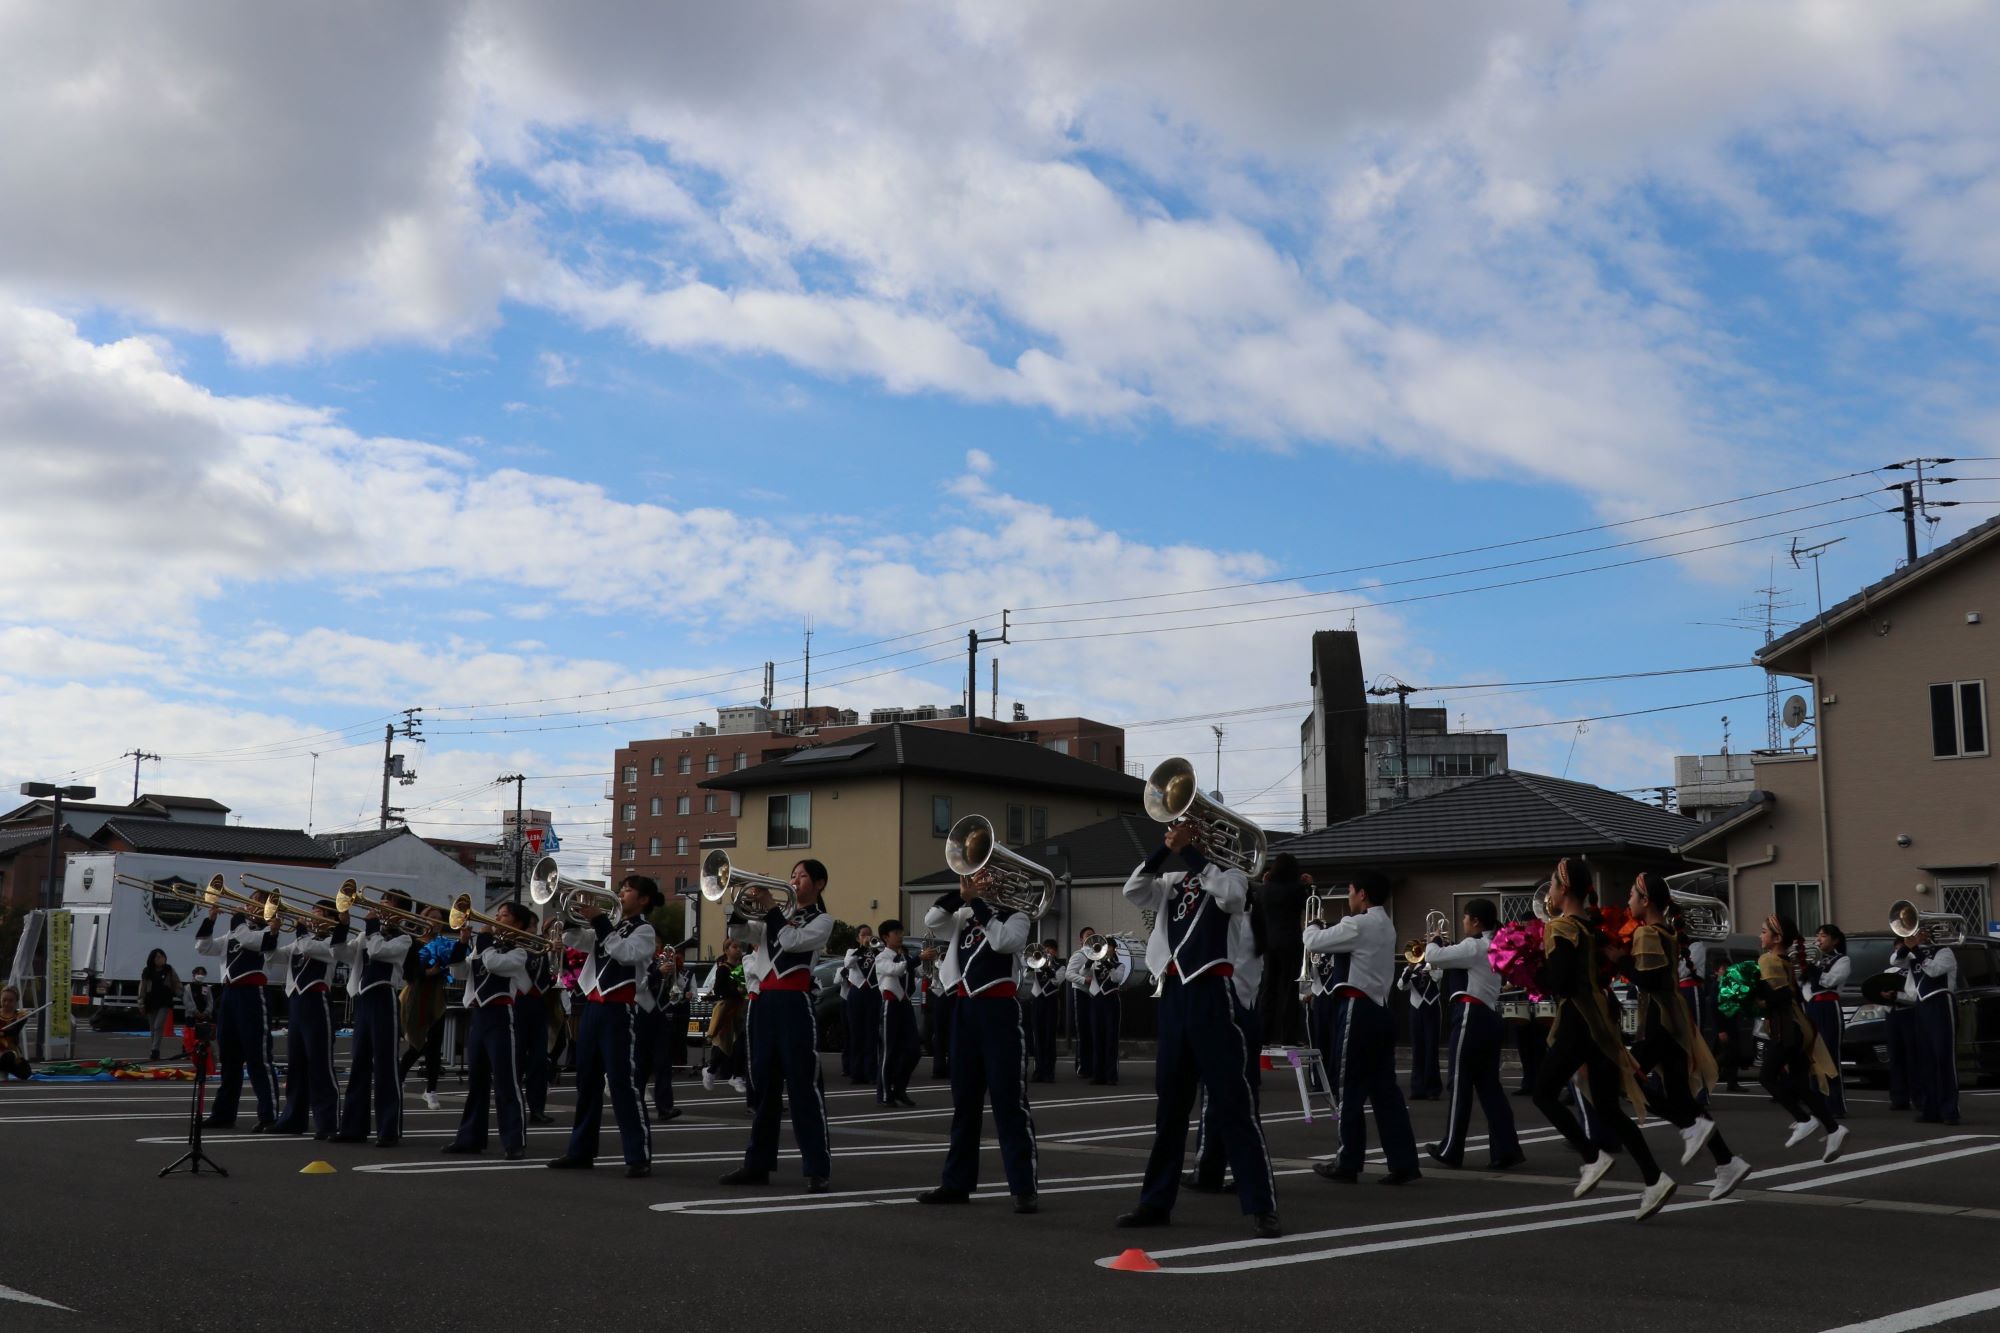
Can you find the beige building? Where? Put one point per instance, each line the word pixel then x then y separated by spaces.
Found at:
pixel 1899 797
pixel 875 808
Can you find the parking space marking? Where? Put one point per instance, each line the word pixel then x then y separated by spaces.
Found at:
pixel 23 1298
pixel 476 1164
pixel 1926 1316
pixel 1891 1166
pixel 1795 1168
pixel 892 1196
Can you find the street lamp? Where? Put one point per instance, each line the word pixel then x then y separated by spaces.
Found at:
pixel 57 794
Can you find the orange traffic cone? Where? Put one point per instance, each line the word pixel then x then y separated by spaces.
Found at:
pixel 1134 1261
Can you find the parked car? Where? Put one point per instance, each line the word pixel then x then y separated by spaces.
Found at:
pixel 1865 1044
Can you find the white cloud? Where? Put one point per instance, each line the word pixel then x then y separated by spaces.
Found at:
pixel 558 371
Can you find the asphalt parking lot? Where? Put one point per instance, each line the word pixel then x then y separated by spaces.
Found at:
pixel 406 1238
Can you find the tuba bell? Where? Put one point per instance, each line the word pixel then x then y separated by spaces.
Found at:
pixel 1943 928
pixel 1018 884
pixel 578 902
pixel 1172 795
pixel 720 880
pixel 1702 917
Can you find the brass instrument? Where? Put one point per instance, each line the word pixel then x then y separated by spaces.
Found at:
pixel 1940 928
pixel 461 915
pixel 288 917
pixel 1540 901
pixel 1102 951
pixel 1312 918
pixel 576 902
pixel 1038 959
pixel 927 969
pixel 215 894
pixel 1014 882
pixel 1173 795
pixel 720 880
pixel 350 898
pixel 1702 917
pixel 1437 927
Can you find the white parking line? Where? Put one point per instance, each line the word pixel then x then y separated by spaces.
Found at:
pixel 1904 1164
pixel 883 1198
pixel 478 1164
pixel 22 1297
pixel 1926 1316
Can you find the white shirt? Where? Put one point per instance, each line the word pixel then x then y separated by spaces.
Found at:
pixel 853 972
pixel 1482 983
pixel 1832 975
pixel 1246 964
pixel 1002 936
pixel 1229 887
pixel 757 961
pixel 1370 939
pixel 892 974
pixel 1082 972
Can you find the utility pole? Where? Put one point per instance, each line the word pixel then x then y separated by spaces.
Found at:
pixel 1402 693
pixel 972 641
pixel 520 837
pixel 392 764
pixel 136 756
pixel 806 700
pixel 312 790
pixel 995 709
pixel 1915 502
pixel 1216 792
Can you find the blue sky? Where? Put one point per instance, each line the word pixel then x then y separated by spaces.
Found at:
pixel 468 356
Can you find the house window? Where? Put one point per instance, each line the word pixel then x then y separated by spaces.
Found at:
pixel 685 764
pixel 940 816
pixel 735 804
pixel 1966 900
pixel 681 805
pixel 681 845
pixel 788 820
pixel 742 760
pixel 631 812
pixel 680 885
pixel 712 764
pixel 1038 824
pixel 1017 825
pixel 1516 906
pixel 628 851
pixel 653 848
pixel 1958 719
pixel 1060 747
pixel 659 765
pixel 656 806
pixel 1096 752
pixel 710 803
pixel 631 772
pixel 1800 902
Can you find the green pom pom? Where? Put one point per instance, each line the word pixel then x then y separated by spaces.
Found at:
pixel 1738 980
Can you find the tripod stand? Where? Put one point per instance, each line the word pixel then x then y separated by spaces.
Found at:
pixel 192 1159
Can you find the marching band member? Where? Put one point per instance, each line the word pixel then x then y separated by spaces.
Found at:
pixel 1796 1066
pixel 1475 1044
pixel 1823 982
pixel 782 1032
pixel 374 974
pixel 1368 1044
pixel 988 1043
pixel 860 1058
pixel 1044 1004
pixel 14 1062
pixel 531 1022
pixel 496 972
pixel 1586 1040
pixel 1083 1017
pixel 607 1050
pixel 1420 984
pixel 1246 958
pixel 1280 901
pixel 1200 1043
pixel 940 1010
pixel 1326 1010
pixel 1932 971
pixel 309 1078
pixel 662 1032
pixel 1669 1042
pixel 244 1025
pixel 421 1006
pixel 898 1044
pixel 1104 980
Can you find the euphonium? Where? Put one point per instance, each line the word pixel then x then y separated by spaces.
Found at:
pixel 578 901
pixel 1943 928
pixel 1016 883
pixel 720 880
pixel 1702 917
pixel 1172 794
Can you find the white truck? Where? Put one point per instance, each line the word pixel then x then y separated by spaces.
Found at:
pixel 117 926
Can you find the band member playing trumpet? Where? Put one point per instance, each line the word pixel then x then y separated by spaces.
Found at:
pixel 1105 979
pixel 1823 982
pixel 1586 1040
pixel 1201 1043
pixel 309 1079
pixel 375 961
pixel 607 1041
pixel 1931 970
pixel 1044 1006
pixel 1420 984
pixel 862 1001
pixel 244 1025
pixel 1083 1017
pixel 782 1033
pixel 1367 934
pixel 496 970
pixel 1796 1068
pixel 1475 1044
pixel 898 1042
pixel 987 1042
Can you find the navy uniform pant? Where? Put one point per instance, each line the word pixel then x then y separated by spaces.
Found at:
pixel 1825 1015
pixel 1906 1071
pixel 862 1058
pixel 1328 1016
pixel 1368 1078
pixel 1937 1055
pixel 1209 1159
pixel 243 1038
pixel 1085 1028
pixel 1202 1047
pixel 493 1059
pixel 899 1051
pixel 1105 1012
pixel 1424 1035
pixel 607 1058
pixel 531 1050
pixel 309 1080
pixel 784 1065
pixel 987 1047
pixel 1531 1044
pixel 942 1008
pixel 1475 1072
pixel 1042 1016
pixel 371 1070
pixel 657 1048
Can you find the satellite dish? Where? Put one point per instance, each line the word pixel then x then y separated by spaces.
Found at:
pixel 1795 711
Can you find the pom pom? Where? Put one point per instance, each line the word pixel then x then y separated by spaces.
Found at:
pixel 1516 954
pixel 1738 980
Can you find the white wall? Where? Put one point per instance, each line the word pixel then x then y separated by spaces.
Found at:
pixel 437 878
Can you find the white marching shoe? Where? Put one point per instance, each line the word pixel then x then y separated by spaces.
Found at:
pixel 1801 1131
pixel 1834 1143
pixel 1596 1169
pixel 739 1084
pixel 1727 1178
pixel 431 1100
pixel 1655 1197
pixel 708 1079
pixel 1695 1137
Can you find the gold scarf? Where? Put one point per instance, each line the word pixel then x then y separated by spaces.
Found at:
pixel 1594 1007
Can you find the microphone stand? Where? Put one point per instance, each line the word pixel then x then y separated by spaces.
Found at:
pixel 193 1158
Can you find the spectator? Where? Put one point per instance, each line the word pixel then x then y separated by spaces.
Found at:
pixel 725 1021
pixel 13 1060
pixel 159 992
pixel 423 1003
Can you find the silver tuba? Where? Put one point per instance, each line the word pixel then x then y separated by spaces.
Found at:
pixel 578 901
pixel 1018 884
pixel 1943 928
pixel 720 880
pixel 1702 917
pixel 1172 795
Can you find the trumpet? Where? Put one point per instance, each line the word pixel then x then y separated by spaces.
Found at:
pixel 1172 794
pixel 579 902
pixel 215 894
pixel 461 915
pixel 1437 928
pixel 1038 959
pixel 720 880
pixel 1017 883
pixel 1940 928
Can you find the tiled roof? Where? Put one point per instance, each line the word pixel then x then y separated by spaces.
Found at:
pixel 1508 814
pixel 344 845
pixel 170 802
pixel 903 748
pixel 1728 820
pixel 1107 849
pixel 171 837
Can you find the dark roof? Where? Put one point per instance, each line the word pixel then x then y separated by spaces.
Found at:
pixel 1508 814
pixel 13 840
pixel 1963 544
pixel 906 748
pixel 344 845
pixel 167 802
pixel 171 837
pixel 1107 849
pixel 42 805
pixel 1729 819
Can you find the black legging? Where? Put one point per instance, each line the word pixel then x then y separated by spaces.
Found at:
pixel 1571 1050
pixel 14 1064
pixel 1659 1052
pixel 1787 1075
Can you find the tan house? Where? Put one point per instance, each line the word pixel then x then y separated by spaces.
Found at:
pixel 875 808
pixel 1899 796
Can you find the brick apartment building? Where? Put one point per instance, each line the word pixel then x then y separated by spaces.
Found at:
pixel 660 815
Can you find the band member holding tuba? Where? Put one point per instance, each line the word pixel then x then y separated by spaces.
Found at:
pixel 1475 1044
pixel 1824 977
pixel 781 1031
pixel 1247 961
pixel 987 1041
pixel 496 972
pixel 1367 934
pixel 1201 1043
pixel 1932 971
pixel 862 1001
pixel 309 1078
pixel 244 1026
pixel 1044 1009
pixel 374 974
pixel 898 1043
pixel 607 1035
pixel 1585 1041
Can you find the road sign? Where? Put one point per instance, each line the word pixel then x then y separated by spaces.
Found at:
pixel 534 841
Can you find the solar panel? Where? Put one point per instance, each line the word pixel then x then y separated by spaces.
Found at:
pixel 822 754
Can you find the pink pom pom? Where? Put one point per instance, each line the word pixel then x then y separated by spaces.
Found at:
pixel 1516 954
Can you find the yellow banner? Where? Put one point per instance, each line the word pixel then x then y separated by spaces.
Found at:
pixel 59 968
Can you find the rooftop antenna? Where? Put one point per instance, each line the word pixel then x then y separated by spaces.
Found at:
pixel 806 701
pixel 1581 728
pixel 1813 553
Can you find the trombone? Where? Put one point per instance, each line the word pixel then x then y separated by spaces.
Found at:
pixel 720 880
pixel 576 902
pixel 215 894
pixel 1172 795
pixel 461 915
pixel 350 898
pixel 286 915
pixel 1018 884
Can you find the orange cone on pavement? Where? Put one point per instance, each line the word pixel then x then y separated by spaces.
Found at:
pixel 1134 1261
